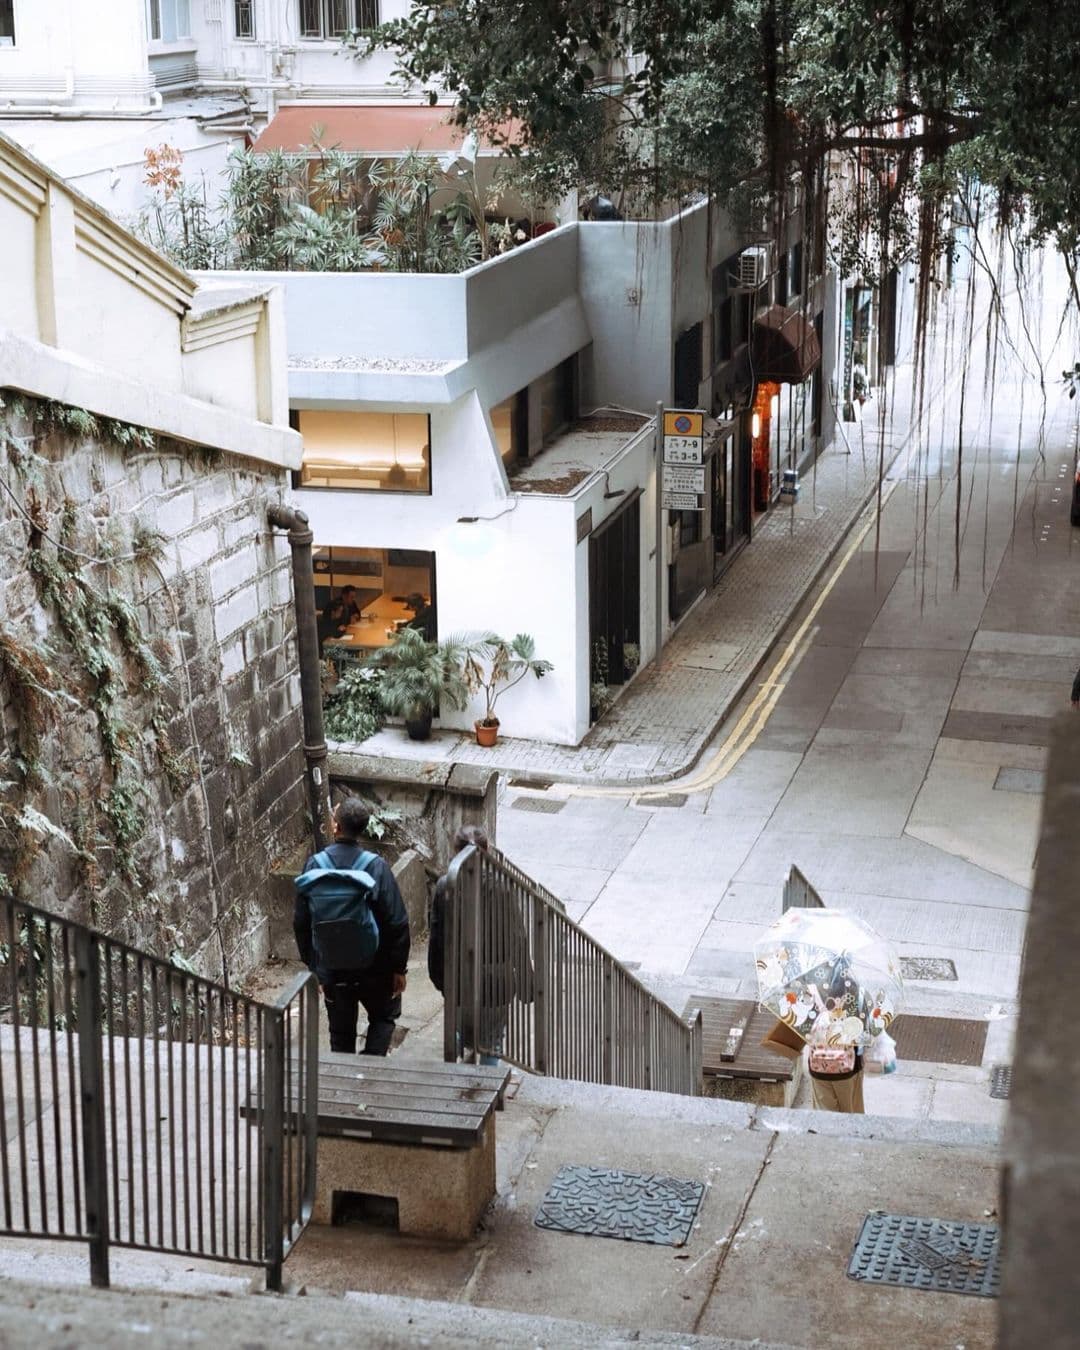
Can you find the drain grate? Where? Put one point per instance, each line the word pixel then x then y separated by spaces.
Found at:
pixel 927 968
pixel 928 1254
pixel 539 784
pixel 634 1206
pixel 544 806
pixel 1001 1080
pixel 939 1040
pixel 667 799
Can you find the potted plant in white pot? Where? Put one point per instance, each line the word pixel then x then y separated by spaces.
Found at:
pixel 492 665
pixel 419 676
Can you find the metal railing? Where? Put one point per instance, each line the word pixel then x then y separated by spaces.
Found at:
pixel 524 983
pixel 144 1106
pixel 798 893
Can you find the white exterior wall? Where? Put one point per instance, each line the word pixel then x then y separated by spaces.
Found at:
pixel 279 63
pixel 94 318
pixel 68 54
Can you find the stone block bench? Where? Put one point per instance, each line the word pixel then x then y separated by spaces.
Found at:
pixel 419 1132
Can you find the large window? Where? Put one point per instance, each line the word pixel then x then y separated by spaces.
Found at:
pixel 555 390
pixel 334 18
pixel 366 596
pixel 244 18
pixel 510 420
pixel 387 452
pixel 7 23
pixel 168 20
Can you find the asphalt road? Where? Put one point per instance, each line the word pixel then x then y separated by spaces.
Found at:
pixel 892 749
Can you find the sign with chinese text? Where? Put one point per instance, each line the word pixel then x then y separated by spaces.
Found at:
pixel 683 478
pixel 684 436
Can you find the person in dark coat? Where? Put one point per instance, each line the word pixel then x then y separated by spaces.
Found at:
pixel 377 989
pixel 1075 695
pixel 505 973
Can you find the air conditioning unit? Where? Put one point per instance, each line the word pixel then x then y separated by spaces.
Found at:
pixel 753 268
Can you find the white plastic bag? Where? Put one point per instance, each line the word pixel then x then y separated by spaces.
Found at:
pixel 880 1055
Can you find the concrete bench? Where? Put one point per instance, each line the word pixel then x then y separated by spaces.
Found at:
pixel 421 1133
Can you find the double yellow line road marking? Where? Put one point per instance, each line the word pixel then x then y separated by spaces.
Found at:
pixel 755 716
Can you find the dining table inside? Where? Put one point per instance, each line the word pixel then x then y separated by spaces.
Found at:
pixel 378 625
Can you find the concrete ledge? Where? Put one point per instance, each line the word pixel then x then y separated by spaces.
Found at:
pixel 884 1129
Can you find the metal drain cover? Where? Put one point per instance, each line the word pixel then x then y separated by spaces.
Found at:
pixel 939 1040
pixel 927 968
pixel 929 1254
pixel 546 806
pixel 1001 1080
pixel 634 1206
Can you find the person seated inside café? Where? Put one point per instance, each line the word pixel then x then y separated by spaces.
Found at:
pixel 351 604
pixel 332 622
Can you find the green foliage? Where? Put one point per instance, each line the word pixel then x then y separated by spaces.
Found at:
pixel 354 711
pixel 493 664
pixel 381 819
pixel 418 675
pixel 322 210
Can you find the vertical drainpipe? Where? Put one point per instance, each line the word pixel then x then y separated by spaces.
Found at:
pixel 307 641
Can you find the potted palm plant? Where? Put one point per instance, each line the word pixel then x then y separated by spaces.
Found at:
pixel 417 677
pixel 492 665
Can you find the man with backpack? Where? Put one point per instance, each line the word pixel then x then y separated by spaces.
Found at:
pixel 353 932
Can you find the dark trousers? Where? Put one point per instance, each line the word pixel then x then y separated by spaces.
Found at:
pixel 345 998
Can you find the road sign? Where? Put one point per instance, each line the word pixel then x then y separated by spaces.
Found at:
pixel 684 436
pixel 682 501
pixel 683 478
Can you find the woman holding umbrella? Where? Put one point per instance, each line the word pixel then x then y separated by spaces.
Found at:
pixel 830 978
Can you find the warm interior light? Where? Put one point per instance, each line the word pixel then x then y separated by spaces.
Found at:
pixel 755 425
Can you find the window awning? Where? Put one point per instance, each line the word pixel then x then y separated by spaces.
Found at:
pixel 378 129
pixel 785 346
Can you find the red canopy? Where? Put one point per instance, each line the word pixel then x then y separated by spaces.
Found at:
pixel 377 129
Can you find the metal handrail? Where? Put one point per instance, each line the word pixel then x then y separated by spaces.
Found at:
pixel 523 982
pixel 144 1106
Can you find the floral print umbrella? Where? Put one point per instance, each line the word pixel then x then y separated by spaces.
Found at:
pixel 829 976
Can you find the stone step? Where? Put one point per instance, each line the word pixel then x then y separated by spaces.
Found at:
pixel 49 1317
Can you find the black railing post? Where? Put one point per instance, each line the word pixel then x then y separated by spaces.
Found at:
pixel 541 987
pixel 92 1097
pixel 310 997
pixel 272 1177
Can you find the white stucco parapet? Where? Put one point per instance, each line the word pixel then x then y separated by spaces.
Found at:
pixel 94 317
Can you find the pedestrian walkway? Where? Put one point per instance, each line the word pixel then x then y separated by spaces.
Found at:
pixel 663 721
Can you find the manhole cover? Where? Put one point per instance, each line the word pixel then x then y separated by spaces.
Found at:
pixel 541 804
pixel 1001 1080
pixel 634 1206
pixel 927 968
pixel 1020 780
pixel 667 799
pixel 939 1040
pixel 930 1254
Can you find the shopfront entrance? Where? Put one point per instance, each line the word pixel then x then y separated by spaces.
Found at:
pixel 730 493
pixel 615 597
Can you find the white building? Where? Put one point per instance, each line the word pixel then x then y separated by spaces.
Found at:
pixel 90 88
pixel 450 456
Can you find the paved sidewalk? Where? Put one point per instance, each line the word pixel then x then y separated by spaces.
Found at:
pixel 664 720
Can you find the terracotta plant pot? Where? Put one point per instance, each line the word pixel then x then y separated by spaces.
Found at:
pixel 487 733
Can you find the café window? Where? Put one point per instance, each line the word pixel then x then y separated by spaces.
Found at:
pixel 510 422
pixel 556 393
pixel 7 23
pixel 364 597
pixel 369 452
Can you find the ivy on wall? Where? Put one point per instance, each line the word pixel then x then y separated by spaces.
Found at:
pixel 82 572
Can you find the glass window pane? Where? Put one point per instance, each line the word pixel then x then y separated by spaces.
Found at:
pixel 183 18
pixel 340 16
pixel 367 14
pixel 505 421
pixel 245 19
pixel 310 20
pixel 378 452
pixel 7 23
pixel 153 19
pixel 366 596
